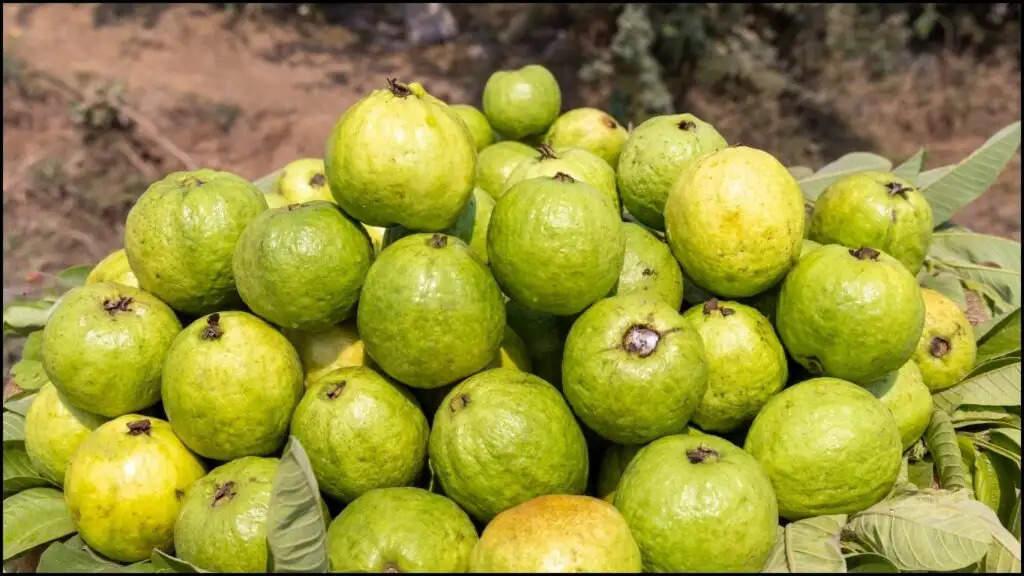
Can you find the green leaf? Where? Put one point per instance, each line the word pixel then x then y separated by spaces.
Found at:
pixel 266 183
pixel 1000 387
pixel 29 374
pixel 921 473
pixel 33 517
pixel 800 172
pixel 946 283
pixel 1004 550
pixel 1010 434
pixel 967 415
pixel 776 562
pixel 869 562
pixel 66 558
pixel 33 347
pixel 20 402
pixel 296 525
pixel 19 474
pixel 164 562
pixel 74 276
pixel 14 427
pixel 1001 340
pixel 812 544
pixel 911 167
pixel 929 177
pixel 973 248
pixel 986 482
pixel 994 364
pixel 1015 525
pixel 813 185
pixel 942 444
pixel 25 316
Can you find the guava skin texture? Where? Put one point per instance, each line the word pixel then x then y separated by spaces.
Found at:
pixel 496 163
pixel 470 227
pixel 735 221
pixel 698 503
pixel 104 347
pixel 523 102
pixel 544 337
pixel 124 486
pixel 113 268
pixel 430 313
pixel 401 156
pixel 851 314
pixel 181 233
pixel 53 430
pixel 946 351
pixel 304 180
pixel 557 533
pixel 746 363
pixel 502 437
pixel 875 209
pixel 555 244
pixel 648 266
pixel 904 393
pixel 653 156
pixel 302 267
pixel 324 351
pixel 590 129
pixel 578 163
pixel 275 200
pixel 829 447
pixel 475 120
pixel 634 369
pixel 361 432
pixel 230 384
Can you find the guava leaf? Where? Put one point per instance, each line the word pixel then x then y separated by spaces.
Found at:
pixel 14 427
pixel 33 517
pixel 800 172
pixel 940 436
pixel 296 527
pixel 1004 550
pixel 812 544
pixel 29 374
pixel 986 481
pixel 1015 522
pixel 1008 476
pixel 945 282
pixel 67 558
pixel 967 415
pixel 1002 340
pixel 33 347
pixel 74 276
pixel 921 473
pixel 869 562
pixel 999 387
pixel 994 364
pixel 911 167
pixel 1008 438
pixel 928 177
pixel 776 562
pixel 973 248
pixel 20 402
pixel 164 562
pixel 813 185
pixel 19 474
pixel 24 316
pixel 266 183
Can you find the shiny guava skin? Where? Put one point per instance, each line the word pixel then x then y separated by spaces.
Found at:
pixel 470 227
pixel 746 363
pixel 104 347
pixel 301 267
pixel 53 430
pixel 401 530
pixel 401 156
pixel 851 318
pixel 360 431
pixel 496 163
pixel 113 268
pixel 583 166
pixel 523 102
pixel 875 209
pixel 376 234
pixel 904 393
pixel 633 369
pixel 698 503
pixel 735 221
pixel 829 447
pixel 322 352
pixel 544 337
pixel 512 353
pixel 555 245
pixel 946 351
pixel 275 200
pixel 475 120
pixel 502 437
pixel 124 486
pixel 648 266
pixel 304 180
pixel 766 301
pixel 653 156
pixel 181 233
pixel 590 129
pixel 557 533
pixel 230 384
pixel 430 312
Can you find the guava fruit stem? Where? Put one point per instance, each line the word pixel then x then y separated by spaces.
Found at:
pixel 317 180
pixel 712 304
pixel 686 125
pixel 225 492
pixel 640 340
pixel 701 454
pixel 212 330
pixel 459 402
pixel 438 241
pixel 137 427
pixel 546 152
pixel 335 390
pixel 563 177
pixel 120 305
pixel 865 253
pixel 397 88
pixel 939 347
pixel 895 188
pixel 391 567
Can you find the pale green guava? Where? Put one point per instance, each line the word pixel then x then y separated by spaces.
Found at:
pixel 581 165
pixel 304 180
pixel 946 350
pixel 590 129
pixel 522 102
pixel 113 268
pixel 323 351
pixel 908 399
pixel 53 430
pixel 275 200
pixel 470 227
pixel 475 120
pixel 512 354
pixel 648 266
pixel 496 163
pixel 544 337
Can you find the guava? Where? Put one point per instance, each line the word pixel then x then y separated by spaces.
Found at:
pixel 304 180
pixel 735 221
pixel 946 350
pixel 323 351
pixel 512 353
pixel 376 234
pixel 633 369
pixel 53 430
pixel 502 437
pixel 653 156
pixel 904 393
pixel 648 266
pixel 302 267
pixel 555 244
pixel 875 209
pixel 124 486
pixel 104 347
pixel 746 363
pixel 544 338
pixel 113 268
pixel 230 385
pixel 360 431
pixel 470 227
pixel 275 200
pixel 181 233
pixel 590 129
pixel 401 156
pixel 581 165
pixel 522 102
pixel 766 301
pixel 698 503
pixel 496 163
pixel 850 314
pixel 475 120
pixel 829 447
pixel 401 530
pixel 430 313
pixel 557 533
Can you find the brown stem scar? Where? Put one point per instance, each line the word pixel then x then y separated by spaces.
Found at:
pixel 120 305
pixel 317 180
pixel 459 402
pixel 335 390
pixel 437 241
pixel 897 189
pixel 563 177
pixel 546 152
pixel 212 331
pixel 225 492
pixel 865 253
pixel 939 347
pixel 397 88
pixel 137 427
pixel 610 122
pixel 640 340
pixel 701 454
pixel 686 125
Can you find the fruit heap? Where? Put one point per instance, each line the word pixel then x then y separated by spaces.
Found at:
pixel 522 341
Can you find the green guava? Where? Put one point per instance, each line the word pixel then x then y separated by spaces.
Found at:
pixel 829 447
pixel 746 363
pixel 555 244
pixel 113 268
pixel 376 234
pixel 304 180
pixel 946 350
pixel 475 120
pixel 512 353
pixel 735 221
pixel 767 301
pixel 323 351
pixel 653 156
pixel 53 430
pixel 614 461
pixel 401 530
pixel 496 163
pixel 275 200
pixel 230 385
pixel 557 533
pixel 430 313
pixel 124 486
pixel 360 431
pixel 522 102
pixel 401 156
pixel 302 267
pixel 181 233
pixel 648 266
pixel 698 503
pixel 592 130
pixel 502 437
pixel 544 338
pixel 581 165
pixel 904 393
pixel 850 314
pixel 104 347
pixel 470 227
pixel 633 369
pixel 875 209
